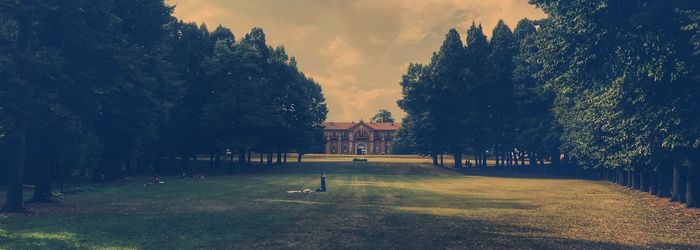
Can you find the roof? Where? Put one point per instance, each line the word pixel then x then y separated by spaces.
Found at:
pixel 348 125
pixel 385 126
pixel 338 125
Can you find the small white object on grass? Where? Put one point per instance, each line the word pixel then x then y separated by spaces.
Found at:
pixel 306 191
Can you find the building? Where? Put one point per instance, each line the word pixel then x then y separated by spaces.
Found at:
pixel 359 138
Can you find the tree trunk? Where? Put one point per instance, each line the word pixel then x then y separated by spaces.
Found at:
pixel 630 179
pixel 496 153
pixel 508 158
pixel 653 183
pixel 435 159
pixel 42 191
pixel 285 157
pixel 442 157
pixel 480 161
pixel 241 157
pixel 515 159
pixel 635 179
pixel 691 191
pixel 643 182
pixel 299 156
pixel 458 158
pixel 261 157
pixel 279 157
pixel 625 177
pixel 664 181
pixel 511 158
pixel 556 160
pixel 477 159
pixel 542 158
pixel 679 179
pixel 522 158
pixel 14 198
pixel 250 157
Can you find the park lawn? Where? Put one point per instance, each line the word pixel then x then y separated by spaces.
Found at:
pixel 368 205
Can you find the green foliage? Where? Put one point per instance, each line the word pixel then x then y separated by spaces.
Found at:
pixel 383 115
pixel 477 97
pixel 622 76
pixel 101 88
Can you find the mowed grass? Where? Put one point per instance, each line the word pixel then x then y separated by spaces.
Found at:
pixel 368 205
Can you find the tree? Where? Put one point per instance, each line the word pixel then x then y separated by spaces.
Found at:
pixel 184 135
pixel 434 96
pixel 96 89
pixel 535 127
pixel 383 116
pixel 623 74
pixel 143 88
pixel 16 107
pixel 478 118
pixel 417 130
pixel 500 102
pixel 449 91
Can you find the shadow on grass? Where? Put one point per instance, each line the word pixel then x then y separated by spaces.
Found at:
pixel 294 227
pixel 511 173
pixel 367 168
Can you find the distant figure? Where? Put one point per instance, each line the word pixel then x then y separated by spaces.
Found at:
pixel 469 163
pixel 323 183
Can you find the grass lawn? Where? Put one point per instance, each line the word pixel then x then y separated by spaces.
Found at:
pixel 369 205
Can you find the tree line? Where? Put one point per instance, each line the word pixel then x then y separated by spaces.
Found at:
pixel 479 98
pixel 98 89
pixel 609 86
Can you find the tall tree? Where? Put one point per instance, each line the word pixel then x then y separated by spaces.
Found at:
pixel 499 74
pixel 623 77
pixel 418 130
pixel 16 106
pixel 449 91
pixel 184 135
pixel 477 120
pixel 536 129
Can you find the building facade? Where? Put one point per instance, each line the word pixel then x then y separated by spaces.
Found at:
pixel 359 138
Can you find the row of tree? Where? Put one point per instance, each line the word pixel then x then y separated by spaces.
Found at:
pixel 610 85
pixel 97 89
pixel 479 98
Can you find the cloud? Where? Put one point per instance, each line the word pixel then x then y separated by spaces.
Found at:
pixel 356 49
pixel 341 54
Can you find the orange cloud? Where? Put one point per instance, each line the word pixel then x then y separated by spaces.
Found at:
pixel 356 49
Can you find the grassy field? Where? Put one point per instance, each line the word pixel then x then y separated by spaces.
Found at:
pixel 368 205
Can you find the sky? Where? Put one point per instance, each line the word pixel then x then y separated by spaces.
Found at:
pixel 356 49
